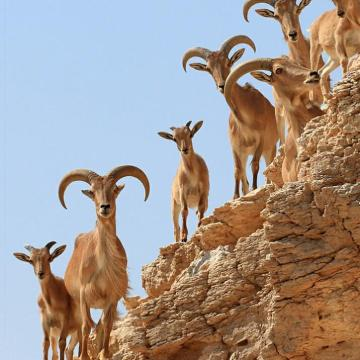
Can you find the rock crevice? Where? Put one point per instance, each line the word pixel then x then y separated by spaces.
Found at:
pixel 273 275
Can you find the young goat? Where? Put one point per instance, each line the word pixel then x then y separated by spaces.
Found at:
pixel 190 187
pixel 252 123
pixel 336 32
pixel 288 79
pixel 96 276
pixel 59 314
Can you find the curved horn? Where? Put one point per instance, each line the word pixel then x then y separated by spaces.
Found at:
pixel 129 170
pixel 242 69
pixel 29 247
pixel 196 51
pixel 75 175
pixel 249 3
pixel 235 40
pixel 50 244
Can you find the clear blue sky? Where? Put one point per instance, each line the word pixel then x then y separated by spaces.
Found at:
pixel 89 84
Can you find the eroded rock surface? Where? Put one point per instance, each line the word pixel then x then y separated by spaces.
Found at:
pixel 274 275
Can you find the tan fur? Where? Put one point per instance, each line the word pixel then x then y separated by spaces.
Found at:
pixel 96 276
pixel 190 187
pixel 59 313
pixel 252 122
pixel 287 13
pixel 338 36
pixel 287 79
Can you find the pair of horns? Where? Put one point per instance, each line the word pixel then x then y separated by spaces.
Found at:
pixel 113 176
pixel 48 246
pixel 243 69
pixel 187 125
pixel 225 48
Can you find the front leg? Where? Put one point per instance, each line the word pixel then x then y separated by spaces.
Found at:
pixel 175 209
pixel 341 48
pixel 54 345
pixel 107 321
pixel 87 324
pixel 184 230
pixel 62 342
pixel 184 214
pixel 46 345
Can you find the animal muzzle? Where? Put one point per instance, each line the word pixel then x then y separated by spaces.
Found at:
pixel 105 209
pixel 313 78
pixel 41 274
pixel 293 35
pixel 341 13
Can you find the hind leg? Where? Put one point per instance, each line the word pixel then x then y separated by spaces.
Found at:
pixel 255 166
pixel 202 207
pixel 240 174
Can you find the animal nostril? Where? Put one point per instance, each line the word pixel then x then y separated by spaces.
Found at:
pixel 314 73
pixel 293 34
pixel 41 273
pixel 341 13
pixel 105 206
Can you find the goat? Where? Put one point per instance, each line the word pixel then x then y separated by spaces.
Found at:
pixel 96 276
pixel 287 13
pixel 252 124
pixel 59 314
pixel 288 79
pixel 337 32
pixel 190 187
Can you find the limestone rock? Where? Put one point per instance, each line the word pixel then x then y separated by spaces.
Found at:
pixel 274 275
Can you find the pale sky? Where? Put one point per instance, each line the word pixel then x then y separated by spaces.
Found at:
pixel 88 84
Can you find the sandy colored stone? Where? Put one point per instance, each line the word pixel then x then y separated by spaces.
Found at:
pixel 274 275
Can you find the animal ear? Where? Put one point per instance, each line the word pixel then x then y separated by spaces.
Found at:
pixel 196 128
pixel 236 56
pixel 23 257
pixel 266 13
pixel 198 66
pixel 118 189
pixel 261 76
pixel 166 135
pixel 58 251
pixel 302 5
pixel 88 193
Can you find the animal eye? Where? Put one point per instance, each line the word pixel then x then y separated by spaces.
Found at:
pixel 278 71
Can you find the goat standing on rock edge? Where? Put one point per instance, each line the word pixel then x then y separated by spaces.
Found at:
pixel 252 122
pixel 96 276
pixel 59 314
pixel 190 187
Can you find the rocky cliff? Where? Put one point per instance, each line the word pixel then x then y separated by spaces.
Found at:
pixel 273 275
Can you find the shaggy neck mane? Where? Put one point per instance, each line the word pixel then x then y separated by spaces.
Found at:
pixel 111 255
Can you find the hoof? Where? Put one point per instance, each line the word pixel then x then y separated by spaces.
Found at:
pixel 104 356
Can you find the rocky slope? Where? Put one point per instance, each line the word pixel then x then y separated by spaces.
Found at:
pixel 273 275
